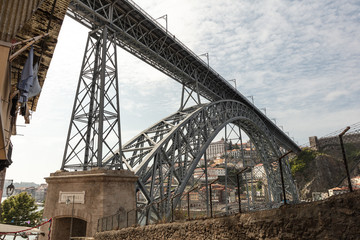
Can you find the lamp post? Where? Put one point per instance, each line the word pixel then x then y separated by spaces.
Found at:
pixel 68 201
pixel 165 17
pixel 207 57
pixel 234 81
pixel 252 98
pixel 10 189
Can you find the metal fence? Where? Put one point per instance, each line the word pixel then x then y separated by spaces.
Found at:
pixel 246 192
pixel 341 159
pixel 203 200
pixel 113 222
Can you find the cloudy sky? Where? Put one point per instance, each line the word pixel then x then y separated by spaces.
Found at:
pixel 299 59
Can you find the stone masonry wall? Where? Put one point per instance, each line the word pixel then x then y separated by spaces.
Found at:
pixel 335 218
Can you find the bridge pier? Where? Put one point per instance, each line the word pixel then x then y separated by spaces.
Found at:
pixel 76 200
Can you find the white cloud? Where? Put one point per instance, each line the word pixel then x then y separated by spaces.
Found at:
pixel 334 95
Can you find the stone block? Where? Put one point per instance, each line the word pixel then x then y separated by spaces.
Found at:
pixel 85 197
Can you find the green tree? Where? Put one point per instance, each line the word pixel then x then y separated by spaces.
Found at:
pixel 299 162
pixel 20 210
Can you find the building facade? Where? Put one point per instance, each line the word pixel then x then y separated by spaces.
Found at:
pixel 216 149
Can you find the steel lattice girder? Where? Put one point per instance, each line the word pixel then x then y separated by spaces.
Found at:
pixel 94 132
pixel 165 155
pixel 139 34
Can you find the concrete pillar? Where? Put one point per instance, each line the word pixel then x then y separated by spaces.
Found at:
pixel 97 193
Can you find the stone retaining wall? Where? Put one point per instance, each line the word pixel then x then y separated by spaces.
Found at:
pixel 335 218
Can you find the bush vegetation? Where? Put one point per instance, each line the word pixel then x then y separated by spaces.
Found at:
pixel 299 162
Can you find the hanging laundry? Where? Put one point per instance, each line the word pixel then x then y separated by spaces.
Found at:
pixel 27 77
pixel 13 108
pixel 35 89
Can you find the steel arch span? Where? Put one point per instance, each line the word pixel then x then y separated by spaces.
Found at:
pixel 165 155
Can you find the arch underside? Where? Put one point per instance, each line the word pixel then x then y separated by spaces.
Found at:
pixel 165 155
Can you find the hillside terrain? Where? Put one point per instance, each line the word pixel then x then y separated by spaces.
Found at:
pixel 320 170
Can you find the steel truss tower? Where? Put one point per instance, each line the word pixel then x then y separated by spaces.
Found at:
pixel 94 131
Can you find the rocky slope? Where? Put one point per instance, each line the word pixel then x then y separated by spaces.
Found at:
pixel 335 218
pixel 316 171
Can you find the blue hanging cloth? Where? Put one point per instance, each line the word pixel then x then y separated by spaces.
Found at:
pixel 27 77
pixel 35 88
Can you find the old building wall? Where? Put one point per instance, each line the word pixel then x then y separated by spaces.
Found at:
pixel 97 193
pixel 5 119
pixel 5 88
pixel 14 14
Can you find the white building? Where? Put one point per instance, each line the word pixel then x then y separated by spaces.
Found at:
pixel 213 173
pixel 216 149
pixel 355 180
pixel 216 171
pixel 337 191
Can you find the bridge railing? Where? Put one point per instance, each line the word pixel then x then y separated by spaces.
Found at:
pixel 113 222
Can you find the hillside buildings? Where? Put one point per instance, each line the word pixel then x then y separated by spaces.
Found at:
pixel 37 192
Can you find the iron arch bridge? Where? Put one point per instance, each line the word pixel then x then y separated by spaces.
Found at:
pixel 165 155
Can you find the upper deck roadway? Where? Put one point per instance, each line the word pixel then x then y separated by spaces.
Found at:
pixel 142 36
